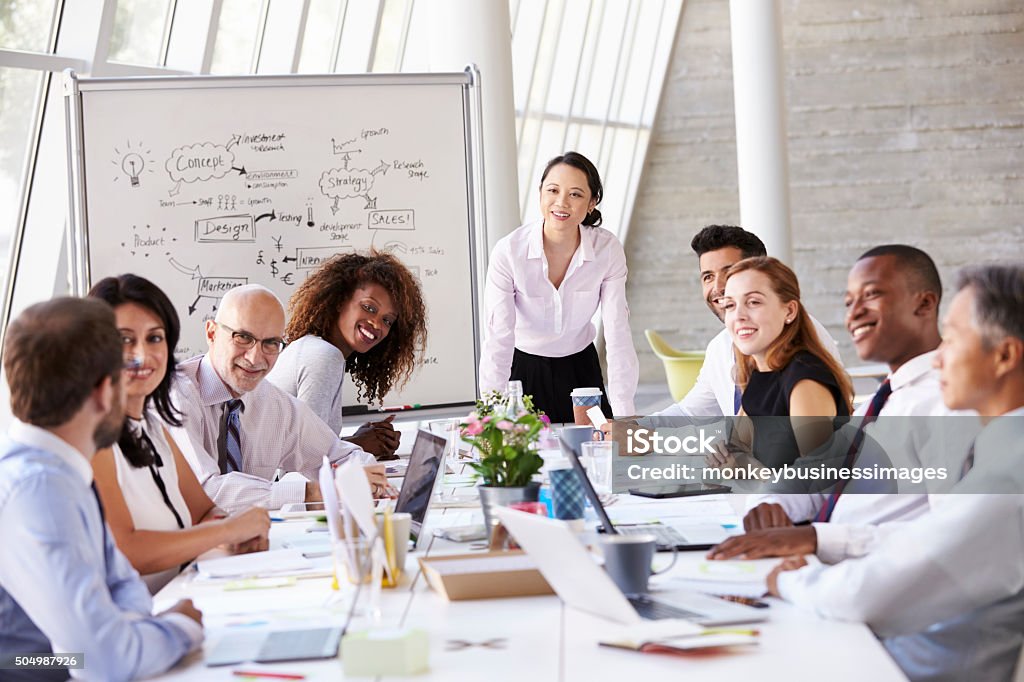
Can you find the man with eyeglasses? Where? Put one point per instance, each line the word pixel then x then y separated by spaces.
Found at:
pixel 244 431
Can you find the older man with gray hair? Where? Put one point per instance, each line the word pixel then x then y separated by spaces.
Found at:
pixel 945 591
pixel 244 431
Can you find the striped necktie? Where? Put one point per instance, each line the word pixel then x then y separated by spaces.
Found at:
pixel 874 408
pixel 230 442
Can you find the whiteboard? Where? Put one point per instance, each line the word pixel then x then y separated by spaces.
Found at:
pixel 201 184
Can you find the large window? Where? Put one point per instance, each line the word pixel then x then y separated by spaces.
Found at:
pixel 587 76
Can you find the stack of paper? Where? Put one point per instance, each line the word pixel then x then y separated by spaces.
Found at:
pixel 741 578
pixel 257 564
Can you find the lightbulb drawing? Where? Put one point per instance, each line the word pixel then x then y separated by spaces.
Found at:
pixel 132 165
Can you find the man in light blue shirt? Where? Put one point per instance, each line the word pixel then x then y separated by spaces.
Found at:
pixel 64 585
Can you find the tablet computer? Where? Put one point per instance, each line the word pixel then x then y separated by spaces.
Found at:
pixel 683 490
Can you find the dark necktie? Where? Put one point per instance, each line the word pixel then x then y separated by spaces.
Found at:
pixel 968 463
pixel 874 408
pixel 103 519
pixel 230 442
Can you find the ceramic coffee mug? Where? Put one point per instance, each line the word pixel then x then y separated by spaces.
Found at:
pixel 627 560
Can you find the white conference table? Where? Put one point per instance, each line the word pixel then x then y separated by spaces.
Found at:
pixel 540 638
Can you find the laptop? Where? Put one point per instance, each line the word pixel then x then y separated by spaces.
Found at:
pixel 581 583
pixel 425 465
pixel 693 537
pixel 275 646
pixel 421 477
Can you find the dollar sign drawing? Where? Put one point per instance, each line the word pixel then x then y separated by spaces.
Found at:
pixel 273 268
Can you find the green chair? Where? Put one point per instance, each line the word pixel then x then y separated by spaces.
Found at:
pixel 681 366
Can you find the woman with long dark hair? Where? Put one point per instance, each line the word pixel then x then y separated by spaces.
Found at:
pixel 545 284
pixel 159 514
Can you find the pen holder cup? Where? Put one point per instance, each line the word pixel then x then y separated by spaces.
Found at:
pixel 396 543
pixel 353 562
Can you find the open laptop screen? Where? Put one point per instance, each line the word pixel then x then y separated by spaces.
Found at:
pixel 588 488
pixel 418 485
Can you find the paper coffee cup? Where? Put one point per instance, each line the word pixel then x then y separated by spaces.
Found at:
pixel 582 400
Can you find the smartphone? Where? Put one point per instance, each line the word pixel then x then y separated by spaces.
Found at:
pixel 685 490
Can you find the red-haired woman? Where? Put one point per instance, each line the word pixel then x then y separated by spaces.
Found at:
pixel 782 368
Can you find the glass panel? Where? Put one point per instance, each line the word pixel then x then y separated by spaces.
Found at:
pixel 568 53
pixel 19 101
pixel 604 74
pixel 417 45
pixel 139 28
pixel 318 41
pixel 236 36
pixel 389 38
pixel 357 35
pixel 26 24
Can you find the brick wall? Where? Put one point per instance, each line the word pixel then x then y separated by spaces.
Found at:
pixel 906 123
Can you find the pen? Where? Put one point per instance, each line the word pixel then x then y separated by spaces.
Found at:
pixel 277 475
pixel 260 673
pixel 398 408
pixel 747 601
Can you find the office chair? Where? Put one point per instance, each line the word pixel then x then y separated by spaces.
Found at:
pixel 681 366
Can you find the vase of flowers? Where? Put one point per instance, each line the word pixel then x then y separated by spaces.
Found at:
pixel 504 431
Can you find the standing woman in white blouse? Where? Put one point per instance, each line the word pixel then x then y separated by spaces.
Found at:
pixel 546 281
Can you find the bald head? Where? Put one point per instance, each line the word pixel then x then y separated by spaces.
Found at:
pixel 243 299
pixel 250 321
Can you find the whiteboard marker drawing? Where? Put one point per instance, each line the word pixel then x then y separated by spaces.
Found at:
pixel 132 162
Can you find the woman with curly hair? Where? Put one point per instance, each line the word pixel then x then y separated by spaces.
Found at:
pixel 363 313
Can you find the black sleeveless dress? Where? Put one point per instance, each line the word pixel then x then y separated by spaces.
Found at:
pixel 766 400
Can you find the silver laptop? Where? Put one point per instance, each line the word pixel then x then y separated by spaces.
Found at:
pixel 581 583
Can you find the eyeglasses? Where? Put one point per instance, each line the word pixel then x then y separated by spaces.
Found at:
pixel 271 346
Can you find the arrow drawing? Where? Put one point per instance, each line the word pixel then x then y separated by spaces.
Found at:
pixel 192 308
pixel 382 168
pixel 174 190
pixel 370 203
pixel 233 142
pixel 272 215
pixel 194 272
pixel 289 259
pixel 241 171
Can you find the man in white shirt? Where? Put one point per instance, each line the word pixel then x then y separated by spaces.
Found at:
pixel 718 248
pixel 64 585
pixel 243 431
pixel 892 307
pixel 945 591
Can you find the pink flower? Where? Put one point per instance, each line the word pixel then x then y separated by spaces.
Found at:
pixel 487 419
pixel 474 428
pixel 505 425
pixel 546 419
